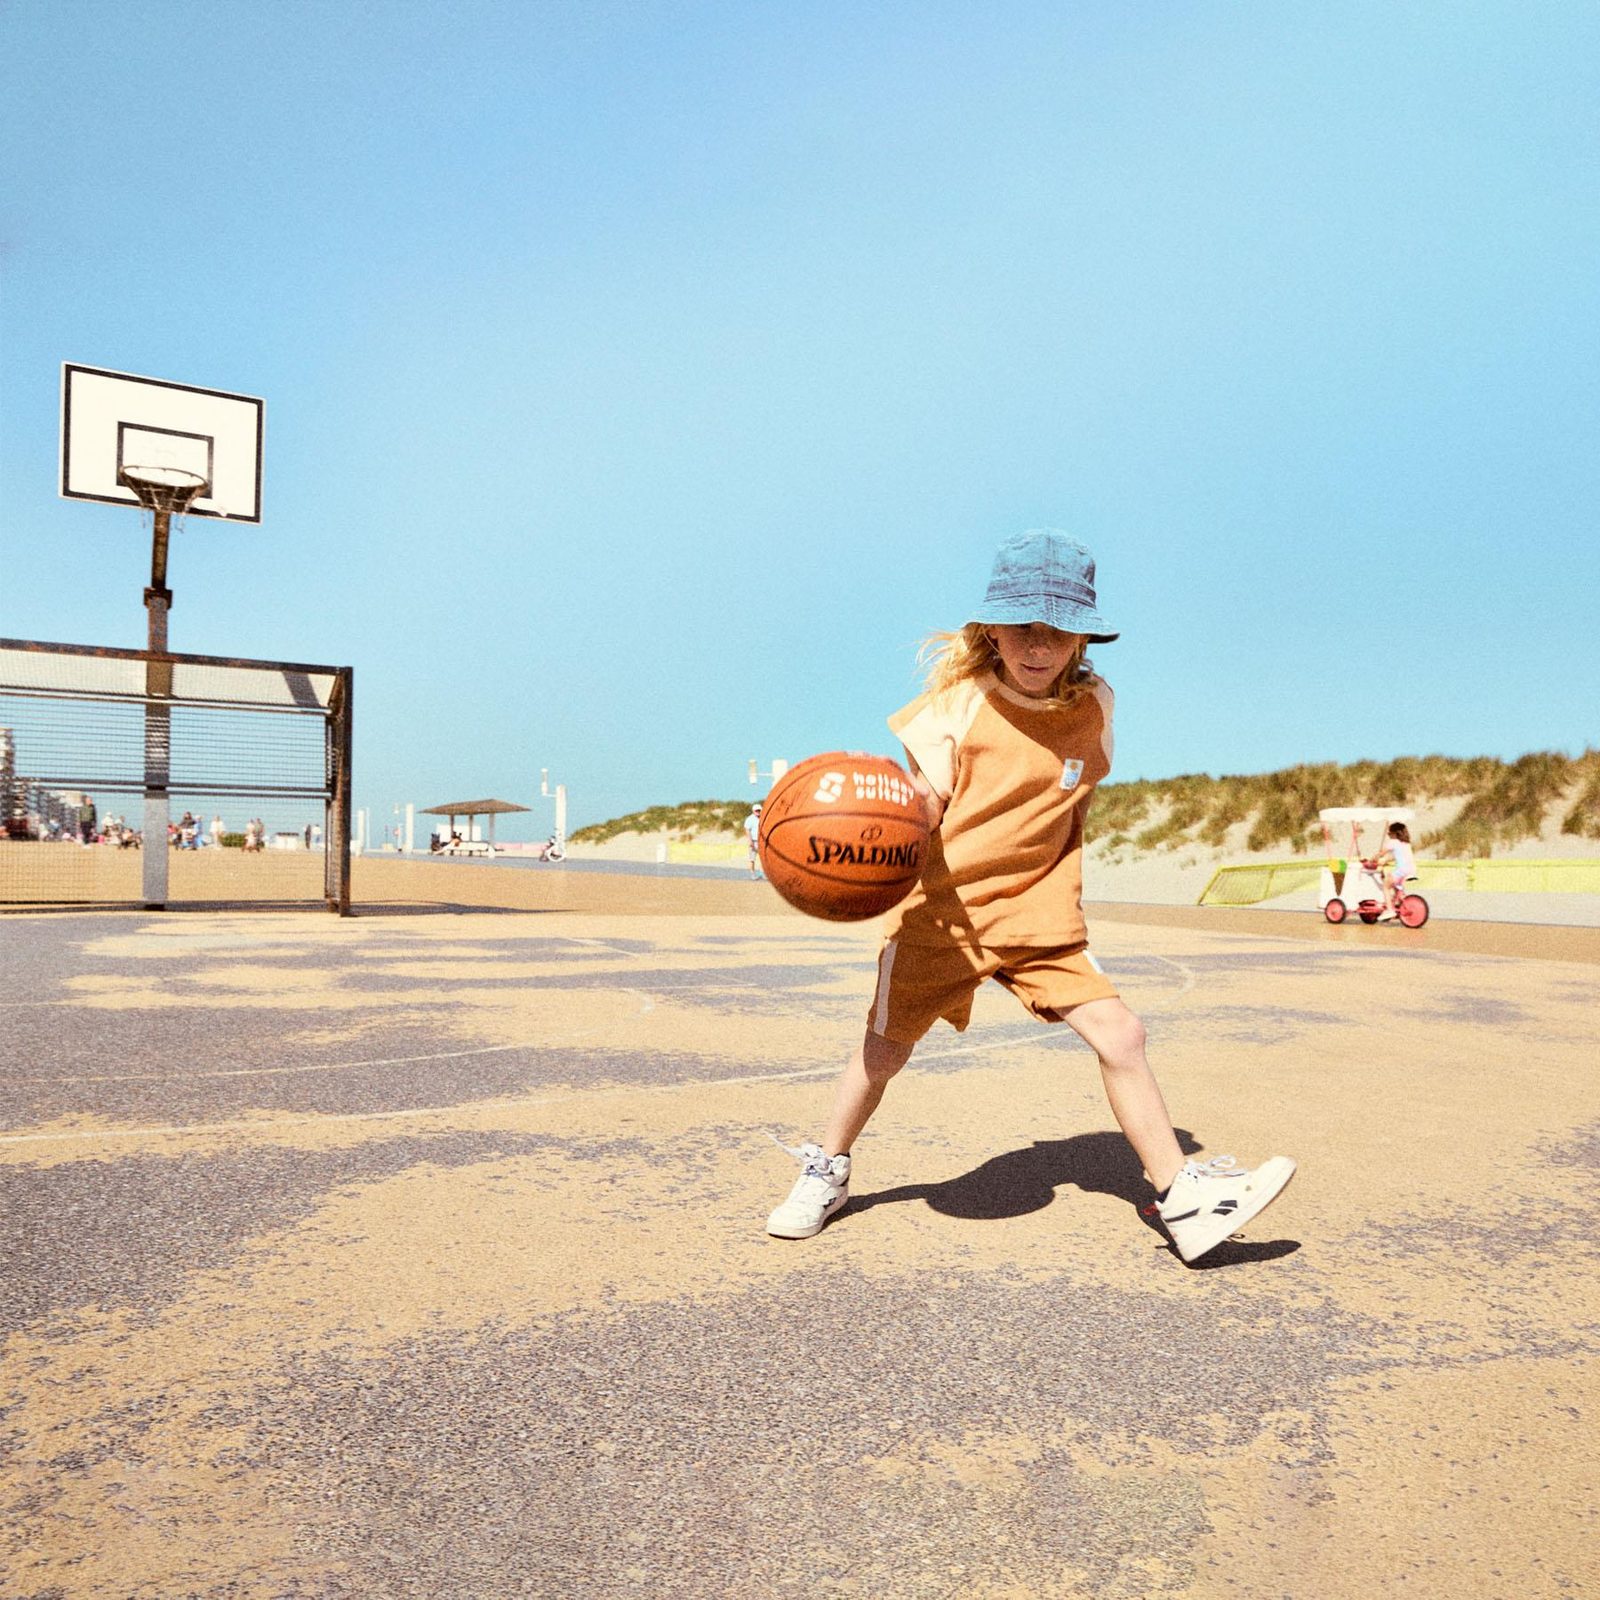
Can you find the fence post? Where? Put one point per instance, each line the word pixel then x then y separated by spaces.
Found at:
pixel 336 862
pixel 157 757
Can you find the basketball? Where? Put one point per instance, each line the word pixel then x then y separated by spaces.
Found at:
pixel 843 836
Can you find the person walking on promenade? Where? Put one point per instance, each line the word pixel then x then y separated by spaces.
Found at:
pixel 752 833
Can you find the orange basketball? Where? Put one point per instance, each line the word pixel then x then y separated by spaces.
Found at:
pixel 843 836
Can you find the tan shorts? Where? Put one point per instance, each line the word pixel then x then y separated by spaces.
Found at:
pixel 919 984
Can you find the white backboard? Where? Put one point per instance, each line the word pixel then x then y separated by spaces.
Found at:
pixel 111 420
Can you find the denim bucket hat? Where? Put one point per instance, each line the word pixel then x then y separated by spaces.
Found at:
pixel 1046 576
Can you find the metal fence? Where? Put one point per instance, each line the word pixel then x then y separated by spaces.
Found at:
pixel 154 778
pixel 1249 884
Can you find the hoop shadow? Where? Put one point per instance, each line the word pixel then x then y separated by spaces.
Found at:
pixel 1024 1181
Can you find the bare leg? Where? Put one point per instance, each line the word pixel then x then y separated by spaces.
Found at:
pixel 1117 1036
pixel 861 1087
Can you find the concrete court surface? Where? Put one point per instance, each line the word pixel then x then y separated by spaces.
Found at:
pixel 420 1254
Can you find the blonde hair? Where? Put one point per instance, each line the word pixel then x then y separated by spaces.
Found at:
pixel 953 658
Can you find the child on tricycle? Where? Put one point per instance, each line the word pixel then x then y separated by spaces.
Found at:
pixel 1374 887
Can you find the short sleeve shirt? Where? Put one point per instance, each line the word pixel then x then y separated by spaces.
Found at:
pixel 1405 861
pixel 1005 866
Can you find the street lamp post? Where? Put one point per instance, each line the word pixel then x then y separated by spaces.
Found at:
pixel 561 805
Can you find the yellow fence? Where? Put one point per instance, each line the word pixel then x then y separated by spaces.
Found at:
pixel 1249 885
pixel 1246 886
pixel 1575 876
pixel 708 850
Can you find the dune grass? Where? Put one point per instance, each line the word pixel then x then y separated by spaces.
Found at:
pixel 1503 802
pixel 1509 807
pixel 690 820
pixel 1583 820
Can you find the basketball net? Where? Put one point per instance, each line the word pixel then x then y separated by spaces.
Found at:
pixel 163 490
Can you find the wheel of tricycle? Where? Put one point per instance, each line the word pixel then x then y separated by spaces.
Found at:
pixel 1413 910
pixel 1369 917
pixel 1335 911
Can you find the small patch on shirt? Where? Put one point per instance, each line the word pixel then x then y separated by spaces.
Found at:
pixel 1071 775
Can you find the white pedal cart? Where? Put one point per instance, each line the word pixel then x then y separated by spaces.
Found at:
pixel 1354 883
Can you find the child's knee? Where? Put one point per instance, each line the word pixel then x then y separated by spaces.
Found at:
pixel 882 1058
pixel 1123 1044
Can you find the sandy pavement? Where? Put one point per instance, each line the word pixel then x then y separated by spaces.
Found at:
pixel 62 874
pixel 419 1253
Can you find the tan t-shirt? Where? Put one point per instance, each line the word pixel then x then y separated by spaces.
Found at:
pixel 1005 866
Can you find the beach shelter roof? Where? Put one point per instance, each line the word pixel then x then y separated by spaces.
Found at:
pixel 473 808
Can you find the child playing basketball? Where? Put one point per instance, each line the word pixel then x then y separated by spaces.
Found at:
pixel 1006 747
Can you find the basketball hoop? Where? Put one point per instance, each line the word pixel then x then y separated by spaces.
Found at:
pixel 164 489
pixel 165 492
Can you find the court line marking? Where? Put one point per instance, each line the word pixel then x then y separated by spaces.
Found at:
pixel 1048 1039
pixel 647 1005
pixel 1190 979
pixel 469 1107
pixel 405 955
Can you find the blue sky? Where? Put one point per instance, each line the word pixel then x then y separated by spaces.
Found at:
pixel 644 381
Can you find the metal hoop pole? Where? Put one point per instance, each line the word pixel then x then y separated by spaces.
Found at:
pixel 157 721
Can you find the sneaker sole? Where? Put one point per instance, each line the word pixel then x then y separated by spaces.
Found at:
pixel 1247 1213
pixel 778 1231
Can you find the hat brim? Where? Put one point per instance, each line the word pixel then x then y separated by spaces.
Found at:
pixel 1061 615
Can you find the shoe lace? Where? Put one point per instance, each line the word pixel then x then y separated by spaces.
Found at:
pixel 819 1167
pixel 1216 1167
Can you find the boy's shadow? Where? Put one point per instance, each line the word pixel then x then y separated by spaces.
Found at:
pixel 1024 1181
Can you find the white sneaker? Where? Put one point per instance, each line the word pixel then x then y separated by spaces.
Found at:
pixel 1209 1201
pixel 820 1191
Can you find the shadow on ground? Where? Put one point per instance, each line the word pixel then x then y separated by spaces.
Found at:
pixel 1024 1181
